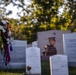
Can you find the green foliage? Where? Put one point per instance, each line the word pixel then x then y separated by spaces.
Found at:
pixel 71 8
pixel 42 15
pixel 45 11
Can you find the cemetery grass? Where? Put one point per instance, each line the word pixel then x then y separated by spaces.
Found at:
pixel 45 70
pixel 12 71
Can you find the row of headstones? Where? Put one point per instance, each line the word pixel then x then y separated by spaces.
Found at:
pixel 33 56
pixel 65 43
pixel 17 55
pixel 33 59
pixel 58 63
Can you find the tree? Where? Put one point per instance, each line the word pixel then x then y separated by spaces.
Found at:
pixel 43 15
pixel 71 4
pixel 44 11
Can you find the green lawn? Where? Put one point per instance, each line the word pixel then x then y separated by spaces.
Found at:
pixel 45 70
pixel 12 72
pixel 72 70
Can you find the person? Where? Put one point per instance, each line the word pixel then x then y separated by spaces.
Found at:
pixel 50 49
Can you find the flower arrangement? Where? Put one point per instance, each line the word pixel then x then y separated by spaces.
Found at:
pixel 28 69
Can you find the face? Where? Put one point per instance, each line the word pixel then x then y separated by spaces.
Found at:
pixel 52 42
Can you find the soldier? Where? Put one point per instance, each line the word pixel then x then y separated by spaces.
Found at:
pixel 50 49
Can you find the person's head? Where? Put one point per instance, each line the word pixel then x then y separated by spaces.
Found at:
pixel 52 40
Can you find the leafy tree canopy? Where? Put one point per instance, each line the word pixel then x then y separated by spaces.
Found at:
pixel 41 15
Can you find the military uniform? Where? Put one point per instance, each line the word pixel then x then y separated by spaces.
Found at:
pixel 50 50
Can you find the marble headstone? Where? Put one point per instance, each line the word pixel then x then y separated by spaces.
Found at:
pixel 33 60
pixel 17 55
pixel 34 44
pixel 43 39
pixel 58 65
pixel 69 45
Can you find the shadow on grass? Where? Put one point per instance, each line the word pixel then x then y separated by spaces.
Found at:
pixel 45 69
pixel 72 70
pixel 19 71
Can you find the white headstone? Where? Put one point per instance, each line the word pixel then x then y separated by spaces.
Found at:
pixel 75 0
pixel 43 39
pixel 34 44
pixel 33 60
pixel 59 65
pixel 69 45
pixel 19 43
pixel 17 55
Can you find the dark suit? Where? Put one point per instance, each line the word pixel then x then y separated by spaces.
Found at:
pixel 50 50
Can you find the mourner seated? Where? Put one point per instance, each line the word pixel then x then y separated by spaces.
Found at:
pixel 50 49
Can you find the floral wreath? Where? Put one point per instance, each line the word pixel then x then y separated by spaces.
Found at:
pixel 6 38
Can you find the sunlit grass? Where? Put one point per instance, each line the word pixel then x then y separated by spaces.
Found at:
pixel 12 72
pixel 8 73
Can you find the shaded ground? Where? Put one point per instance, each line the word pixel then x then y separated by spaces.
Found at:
pixel 45 70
